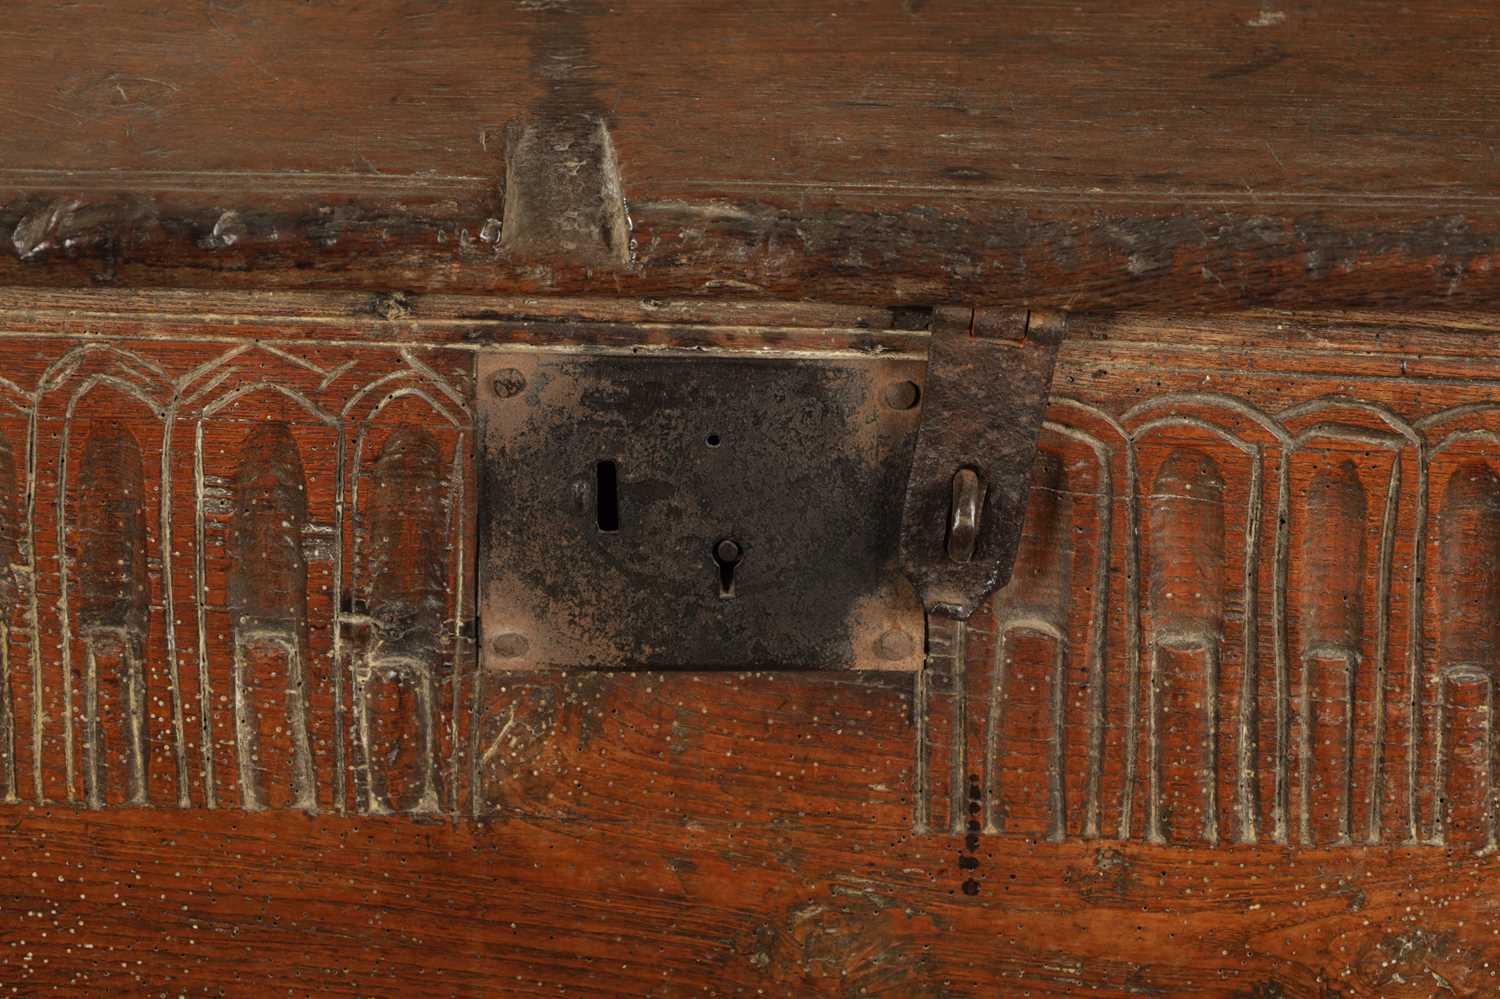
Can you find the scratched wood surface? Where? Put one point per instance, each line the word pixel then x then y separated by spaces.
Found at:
pixel 1228 732
pixel 1076 154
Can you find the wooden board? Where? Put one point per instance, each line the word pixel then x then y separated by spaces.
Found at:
pixel 1171 155
pixel 1229 731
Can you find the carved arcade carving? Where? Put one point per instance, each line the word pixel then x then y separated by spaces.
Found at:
pixel 238 573
pixel 1240 669
pixel 201 585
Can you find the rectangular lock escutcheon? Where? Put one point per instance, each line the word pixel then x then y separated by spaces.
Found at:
pixel 695 512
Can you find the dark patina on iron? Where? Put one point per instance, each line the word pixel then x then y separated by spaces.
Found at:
pixel 989 373
pixel 691 511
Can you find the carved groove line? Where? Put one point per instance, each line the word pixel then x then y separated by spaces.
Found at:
pixel 1395 440
pixel 1409 438
pixel 1208 644
pixel 1468 622
pixel 109 627
pixel 1037 604
pixel 420 667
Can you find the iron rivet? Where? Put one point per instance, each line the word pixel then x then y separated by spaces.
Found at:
pixel 902 395
pixel 510 645
pixel 508 382
pixel 895 645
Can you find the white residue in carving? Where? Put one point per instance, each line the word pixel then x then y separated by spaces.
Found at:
pixel 38 230
pixel 227 231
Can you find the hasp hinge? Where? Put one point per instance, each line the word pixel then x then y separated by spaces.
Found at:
pixel 989 374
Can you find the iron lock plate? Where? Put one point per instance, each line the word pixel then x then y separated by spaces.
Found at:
pixel 695 512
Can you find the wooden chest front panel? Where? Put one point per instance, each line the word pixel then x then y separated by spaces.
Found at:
pixel 1229 731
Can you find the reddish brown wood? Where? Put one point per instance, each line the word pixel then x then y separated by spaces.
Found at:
pixel 1266 504
pixel 1063 154
pixel 755 853
pixel 1231 731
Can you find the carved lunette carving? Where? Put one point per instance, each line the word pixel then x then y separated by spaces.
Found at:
pixel 267 597
pixel 394 683
pixel 113 604
pixel 1185 514
pixel 1467 576
pixel 1332 598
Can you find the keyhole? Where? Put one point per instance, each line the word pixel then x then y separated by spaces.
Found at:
pixel 607 496
pixel 727 555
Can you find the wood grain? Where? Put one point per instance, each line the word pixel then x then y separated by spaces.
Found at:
pixel 1077 155
pixel 738 859
pixel 1229 731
